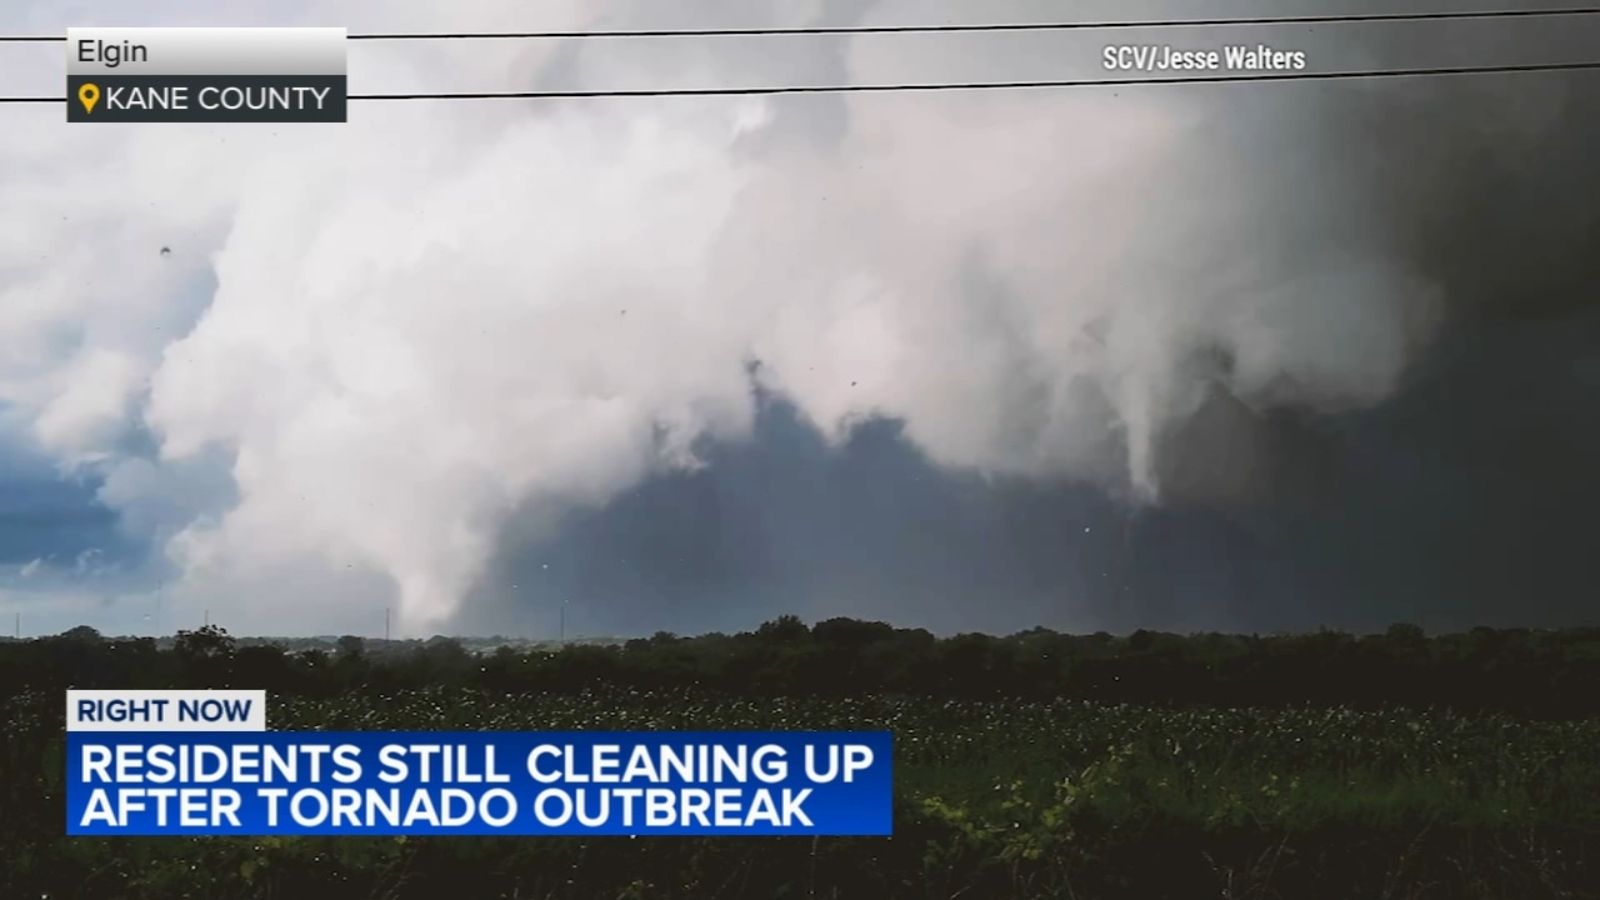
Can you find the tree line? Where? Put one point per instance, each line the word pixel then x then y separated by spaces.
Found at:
pixel 1554 673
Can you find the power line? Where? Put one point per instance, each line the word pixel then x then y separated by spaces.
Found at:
pixel 940 29
pixel 969 28
pixel 954 86
pixel 985 85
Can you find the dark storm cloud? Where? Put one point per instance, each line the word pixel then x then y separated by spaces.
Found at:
pixel 51 520
pixel 1468 500
pixel 1487 188
pixel 1467 497
pixel 784 522
pixel 1231 356
pixel 49 517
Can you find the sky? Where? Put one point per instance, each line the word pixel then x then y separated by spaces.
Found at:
pixel 1199 357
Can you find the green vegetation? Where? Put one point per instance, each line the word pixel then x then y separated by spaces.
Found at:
pixel 1010 781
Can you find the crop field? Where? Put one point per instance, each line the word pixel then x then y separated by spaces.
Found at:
pixel 994 799
pixel 1288 767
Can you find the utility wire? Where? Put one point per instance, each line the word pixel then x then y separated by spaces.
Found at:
pixel 940 29
pixel 986 85
pixel 968 28
pixel 953 86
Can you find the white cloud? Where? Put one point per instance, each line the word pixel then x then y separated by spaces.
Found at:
pixel 89 407
pixel 437 313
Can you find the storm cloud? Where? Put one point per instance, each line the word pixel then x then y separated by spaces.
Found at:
pixel 1184 356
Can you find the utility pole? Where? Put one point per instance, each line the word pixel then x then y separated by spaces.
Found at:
pixel 19 627
pixel 563 632
pixel 208 618
pixel 386 623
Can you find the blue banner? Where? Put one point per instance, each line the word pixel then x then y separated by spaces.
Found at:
pixel 479 783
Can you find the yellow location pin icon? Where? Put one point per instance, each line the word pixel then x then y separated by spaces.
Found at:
pixel 89 95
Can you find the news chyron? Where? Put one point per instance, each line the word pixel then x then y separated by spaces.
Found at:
pixel 193 763
pixel 206 75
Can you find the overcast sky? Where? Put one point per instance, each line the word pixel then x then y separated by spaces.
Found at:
pixel 1241 357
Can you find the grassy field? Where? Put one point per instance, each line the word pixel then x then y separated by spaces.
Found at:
pixel 994 799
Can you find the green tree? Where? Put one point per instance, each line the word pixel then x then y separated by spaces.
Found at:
pixel 206 642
